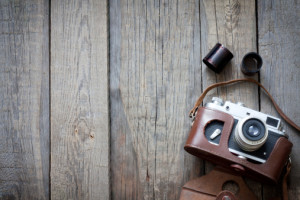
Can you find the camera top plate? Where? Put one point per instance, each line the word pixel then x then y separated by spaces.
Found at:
pixel 239 111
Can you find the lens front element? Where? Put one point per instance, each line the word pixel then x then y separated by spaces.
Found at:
pixel 250 134
pixel 253 131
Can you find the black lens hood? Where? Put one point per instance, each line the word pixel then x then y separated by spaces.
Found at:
pixel 247 67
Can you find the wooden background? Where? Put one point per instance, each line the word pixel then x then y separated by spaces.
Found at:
pixel 95 94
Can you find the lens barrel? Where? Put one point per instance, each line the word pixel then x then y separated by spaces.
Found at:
pixel 250 134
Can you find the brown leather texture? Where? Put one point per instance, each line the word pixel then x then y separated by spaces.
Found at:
pixel 198 145
pixel 210 187
pixel 226 195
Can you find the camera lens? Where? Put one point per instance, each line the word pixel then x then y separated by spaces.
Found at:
pixel 253 129
pixel 250 134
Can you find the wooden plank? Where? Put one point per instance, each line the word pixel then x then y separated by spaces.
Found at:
pixel 155 80
pixel 279 46
pixel 24 108
pixel 233 24
pixel 79 100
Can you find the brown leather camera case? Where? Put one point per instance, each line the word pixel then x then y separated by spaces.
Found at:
pixel 210 187
pixel 198 145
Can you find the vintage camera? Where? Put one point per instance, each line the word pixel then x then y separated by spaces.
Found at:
pixel 253 135
pixel 240 139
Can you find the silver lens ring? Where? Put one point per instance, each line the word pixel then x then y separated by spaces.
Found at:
pixel 247 143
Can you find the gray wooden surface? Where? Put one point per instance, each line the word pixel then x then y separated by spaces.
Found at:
pixel 279 45
pixel 24 97
pixel 95 94
pixel 155 78
pixel 79 100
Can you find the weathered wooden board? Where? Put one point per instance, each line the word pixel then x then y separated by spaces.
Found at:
pixel 155 80
pixel 279 46
pixel 233 24
pixel 155 74
pixel 79 100
pixel 24 108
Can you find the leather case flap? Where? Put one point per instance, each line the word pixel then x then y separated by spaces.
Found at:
pixel 210 186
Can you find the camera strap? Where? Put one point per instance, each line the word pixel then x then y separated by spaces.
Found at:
pixel 200 99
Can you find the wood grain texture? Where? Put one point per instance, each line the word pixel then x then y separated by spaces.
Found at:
pixel 79 100
pixel 233 24
pixel 155 79
pixel 24 107
pixel 279 46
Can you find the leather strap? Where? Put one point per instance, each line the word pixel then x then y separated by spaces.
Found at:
pixel 285 194
pixel 200 99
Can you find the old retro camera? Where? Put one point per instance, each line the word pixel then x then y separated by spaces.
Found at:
pixel 240 139
pixel 253 135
